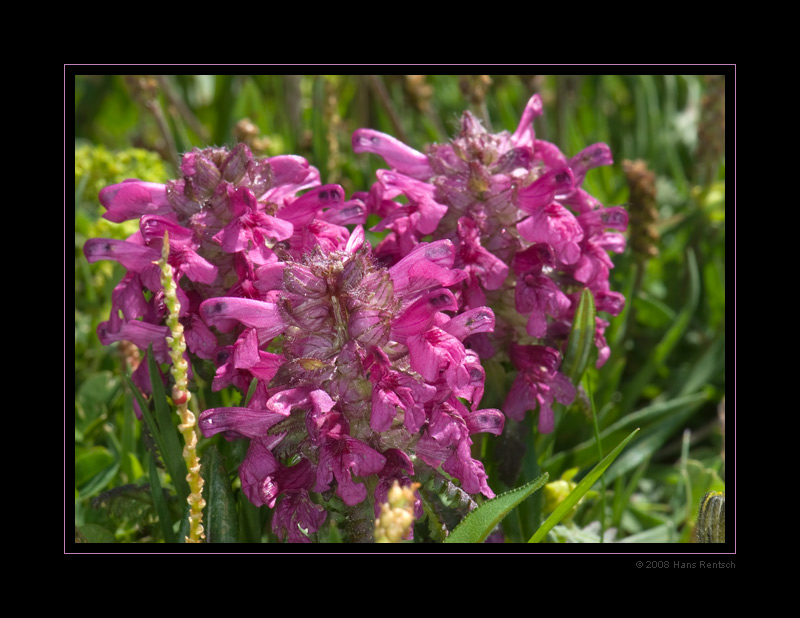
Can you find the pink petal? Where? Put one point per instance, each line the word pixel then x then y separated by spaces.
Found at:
pixel 399 156
pixel 524 135
pixel 133 257
pixel 133 198
pixel 262 315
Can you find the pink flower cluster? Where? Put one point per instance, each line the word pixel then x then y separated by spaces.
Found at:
pixel 528 237
pixel 361 370
pixel 367 364
pixel 370 376
pixel 225 218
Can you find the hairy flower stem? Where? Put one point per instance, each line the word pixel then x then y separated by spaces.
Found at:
pixel 181 396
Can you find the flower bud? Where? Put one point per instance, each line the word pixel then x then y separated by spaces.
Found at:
pixel 711 518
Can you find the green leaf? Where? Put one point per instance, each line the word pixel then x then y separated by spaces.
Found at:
pixel 164 519
pixel 170 440
pixel 89 462
pixel 221 518
pixel 251 391
pixel 94 533
pixel 581 339
pixel 478 524
pixel 579 491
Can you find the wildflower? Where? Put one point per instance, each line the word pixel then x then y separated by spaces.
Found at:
pixel 528 238
pixel 227 218
pixel 372 368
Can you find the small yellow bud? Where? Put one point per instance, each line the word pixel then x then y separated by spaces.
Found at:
pixel 556 492
pixel 397 515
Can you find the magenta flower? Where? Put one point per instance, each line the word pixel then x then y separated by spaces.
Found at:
pixel 227 218
pixel 527 237
pixel 372 365
pixel 538 384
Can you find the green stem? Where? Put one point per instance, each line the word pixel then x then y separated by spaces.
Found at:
pixel 589 393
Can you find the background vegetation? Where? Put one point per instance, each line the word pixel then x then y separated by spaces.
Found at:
pixel 666 374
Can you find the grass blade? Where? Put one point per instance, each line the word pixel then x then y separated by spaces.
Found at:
pixel 172 450
pixel 222 520
pixel 579 491
pixel 164 519
pixel 581 339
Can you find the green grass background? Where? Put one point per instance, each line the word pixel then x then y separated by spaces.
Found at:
pixel 666 374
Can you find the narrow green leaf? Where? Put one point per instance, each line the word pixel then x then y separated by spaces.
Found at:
pixel 164 519
pixel 250 391
pixel 146 414
pixel 581 338
pixel 172 450
pixel 222 520
pixel 579 491
pixel 250 520
pixel 478 524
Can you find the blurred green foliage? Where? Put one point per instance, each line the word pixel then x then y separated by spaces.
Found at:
pixel 666 374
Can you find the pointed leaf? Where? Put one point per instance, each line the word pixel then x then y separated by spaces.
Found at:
pixel 172 451
pixel 579 491
pixel 164 519
pixel 478 524
pixel 581 339
pixel 222 520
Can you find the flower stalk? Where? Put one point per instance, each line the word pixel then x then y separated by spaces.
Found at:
pixel 181 396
